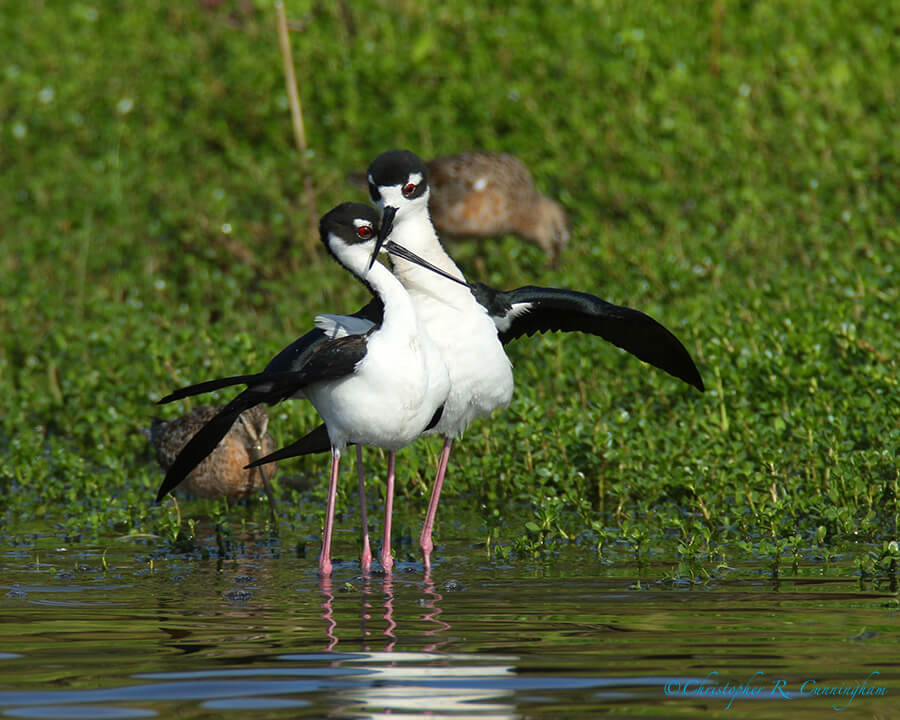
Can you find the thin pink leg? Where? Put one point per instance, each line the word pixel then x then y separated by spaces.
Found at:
pixel 387 561
pixel 325 556
pixel 365 559
pixel 425 541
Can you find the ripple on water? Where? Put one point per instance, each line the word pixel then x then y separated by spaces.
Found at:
pixel 514 643
pixel 254 704
pixel 79 712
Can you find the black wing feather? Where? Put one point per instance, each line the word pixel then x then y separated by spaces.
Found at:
pixel 556 310
pixel 294 356
pixel 209 386
pixel 205 441
pixel 328 360
pixel 316 441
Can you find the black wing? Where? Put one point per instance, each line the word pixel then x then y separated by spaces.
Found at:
pixel 328 360
pixel 205 440
pixel 209 386
pixel 294 356
pixel 530 309
pixel 316 441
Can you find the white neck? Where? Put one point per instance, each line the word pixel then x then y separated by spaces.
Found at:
pixel 398 308
pixel 415 232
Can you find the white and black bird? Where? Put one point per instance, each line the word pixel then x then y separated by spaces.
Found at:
pixel 484 194
pixel 382 387
pixel 470 323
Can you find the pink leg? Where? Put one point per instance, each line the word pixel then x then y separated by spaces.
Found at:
pixel 365 559
pixel 325 556
pixel 425 541
pixel 387 561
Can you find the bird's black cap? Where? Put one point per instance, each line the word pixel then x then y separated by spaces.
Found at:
pixel 340 220
pixel 393 167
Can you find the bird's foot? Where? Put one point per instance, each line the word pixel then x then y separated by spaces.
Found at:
pixel 427 545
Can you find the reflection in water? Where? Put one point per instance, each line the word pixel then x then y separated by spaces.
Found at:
pixel 424 682
pixel 263 635
pixel 430 605
pixel 389 613
pixel 365 609
pixel 383 702
pixel 431 616
pixel 328 612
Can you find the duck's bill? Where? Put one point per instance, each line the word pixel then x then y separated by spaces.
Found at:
pixel 401 252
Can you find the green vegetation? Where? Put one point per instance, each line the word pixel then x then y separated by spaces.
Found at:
pixel 730 168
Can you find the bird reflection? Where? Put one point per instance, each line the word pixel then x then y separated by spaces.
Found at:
pixel 328 612
pixel 431 616
pixel 410 681
pixel 389 614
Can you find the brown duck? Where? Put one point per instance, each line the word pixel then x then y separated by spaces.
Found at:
pixel 222 473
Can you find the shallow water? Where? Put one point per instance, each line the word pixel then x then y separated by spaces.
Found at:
pixel 150 636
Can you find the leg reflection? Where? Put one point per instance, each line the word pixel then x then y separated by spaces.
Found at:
pixel 432 632
pixel 328 612
pixel 432 611
pixel 389 613
pixel 365 613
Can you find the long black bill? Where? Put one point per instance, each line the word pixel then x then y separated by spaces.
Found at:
pixel 401 252
pixel 378 243
pixel 387 224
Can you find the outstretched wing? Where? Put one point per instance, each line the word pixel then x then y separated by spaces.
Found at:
pixel 326 360
pixel 209 386
pixel 530 309
pixel 205 441
pixel 288 360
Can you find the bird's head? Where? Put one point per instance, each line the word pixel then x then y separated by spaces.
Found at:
pixel 254 423
pixel 398 185
pixel 350 232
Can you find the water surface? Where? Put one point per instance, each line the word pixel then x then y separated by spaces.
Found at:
pixel 118 632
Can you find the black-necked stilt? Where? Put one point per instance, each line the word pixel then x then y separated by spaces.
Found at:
pixel 483 194
pixel 529 310
pixel 481 379
pixel 222 473
pixel 470 323
pixel 383 387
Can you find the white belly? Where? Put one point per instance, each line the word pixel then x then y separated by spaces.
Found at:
pixel 391 397
pixel 481 378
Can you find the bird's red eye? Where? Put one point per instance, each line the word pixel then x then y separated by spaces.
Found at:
pixel 409 189
pixel 364 232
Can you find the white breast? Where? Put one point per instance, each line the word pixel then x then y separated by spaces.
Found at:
pixel 481 378
pixel 386 403
pixel 398 385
